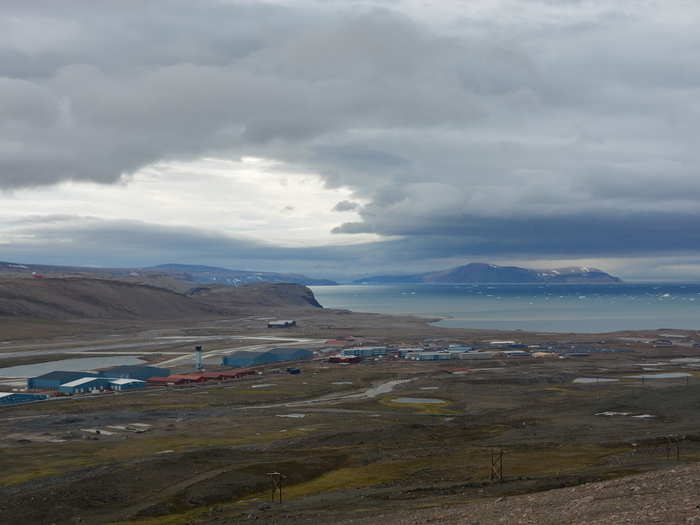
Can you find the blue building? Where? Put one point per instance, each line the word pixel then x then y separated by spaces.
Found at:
pixel 85 384
pixel 291 354
pixel 15 398
pixel 135 372
pixel 276 355
pixel 53 380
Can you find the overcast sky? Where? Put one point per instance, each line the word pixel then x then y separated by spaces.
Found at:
pixel 352 137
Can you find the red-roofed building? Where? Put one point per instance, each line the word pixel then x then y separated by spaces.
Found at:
pixel 169 380
pixel 177 379
pixel 193 378
pixel 344 359
pixel 237 374
pixel 216 376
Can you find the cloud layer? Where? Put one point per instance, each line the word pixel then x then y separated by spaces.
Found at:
pixel 499 129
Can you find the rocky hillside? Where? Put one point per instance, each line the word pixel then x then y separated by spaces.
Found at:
pixel 491 273
pixel 82 298
pixel 71 298
pixel 667 496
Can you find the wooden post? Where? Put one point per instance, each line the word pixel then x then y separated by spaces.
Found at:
pixel 497 466
pixel 500 466
pixel 276 478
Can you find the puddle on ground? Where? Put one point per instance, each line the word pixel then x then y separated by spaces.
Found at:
pixel 263 386
pixel 611 413
pixel 82 364
pixel 429 388
pixel 342 382
pixel 594 380
pixel 419 400
pixel 295 416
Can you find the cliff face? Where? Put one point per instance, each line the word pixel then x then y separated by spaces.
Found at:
pixel 491 273
pixel 259 294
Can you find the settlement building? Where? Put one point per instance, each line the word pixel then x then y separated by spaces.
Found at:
pixel 344 359
pixel 135 372
pixel 85 384
pixel 502 344
pixel 276 355
pixel 516 353
pixel 15 398
pixel 282 323
pixel 53 380
pixel 432 356
pixel 366 351
pixel 480 355
pixel 122 383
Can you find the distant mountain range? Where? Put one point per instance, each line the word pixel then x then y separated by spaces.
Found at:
pixel 213 274
pixel 491 273
pixel 173 276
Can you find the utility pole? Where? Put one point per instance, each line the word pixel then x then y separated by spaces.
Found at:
pixel 497 465
pixel 276 478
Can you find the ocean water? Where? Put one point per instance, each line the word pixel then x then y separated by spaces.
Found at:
pixel 590 308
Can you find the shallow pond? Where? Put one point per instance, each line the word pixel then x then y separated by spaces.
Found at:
pixel 594 380
pixel 82 364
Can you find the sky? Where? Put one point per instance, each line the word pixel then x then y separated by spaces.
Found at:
pixel 342 138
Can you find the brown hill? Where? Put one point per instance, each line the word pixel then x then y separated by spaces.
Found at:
pixel 85 298
pixel 71 298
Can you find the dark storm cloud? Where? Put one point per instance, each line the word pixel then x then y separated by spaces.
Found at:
pixel 535 128
pixel 94 241
pixel 345 206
